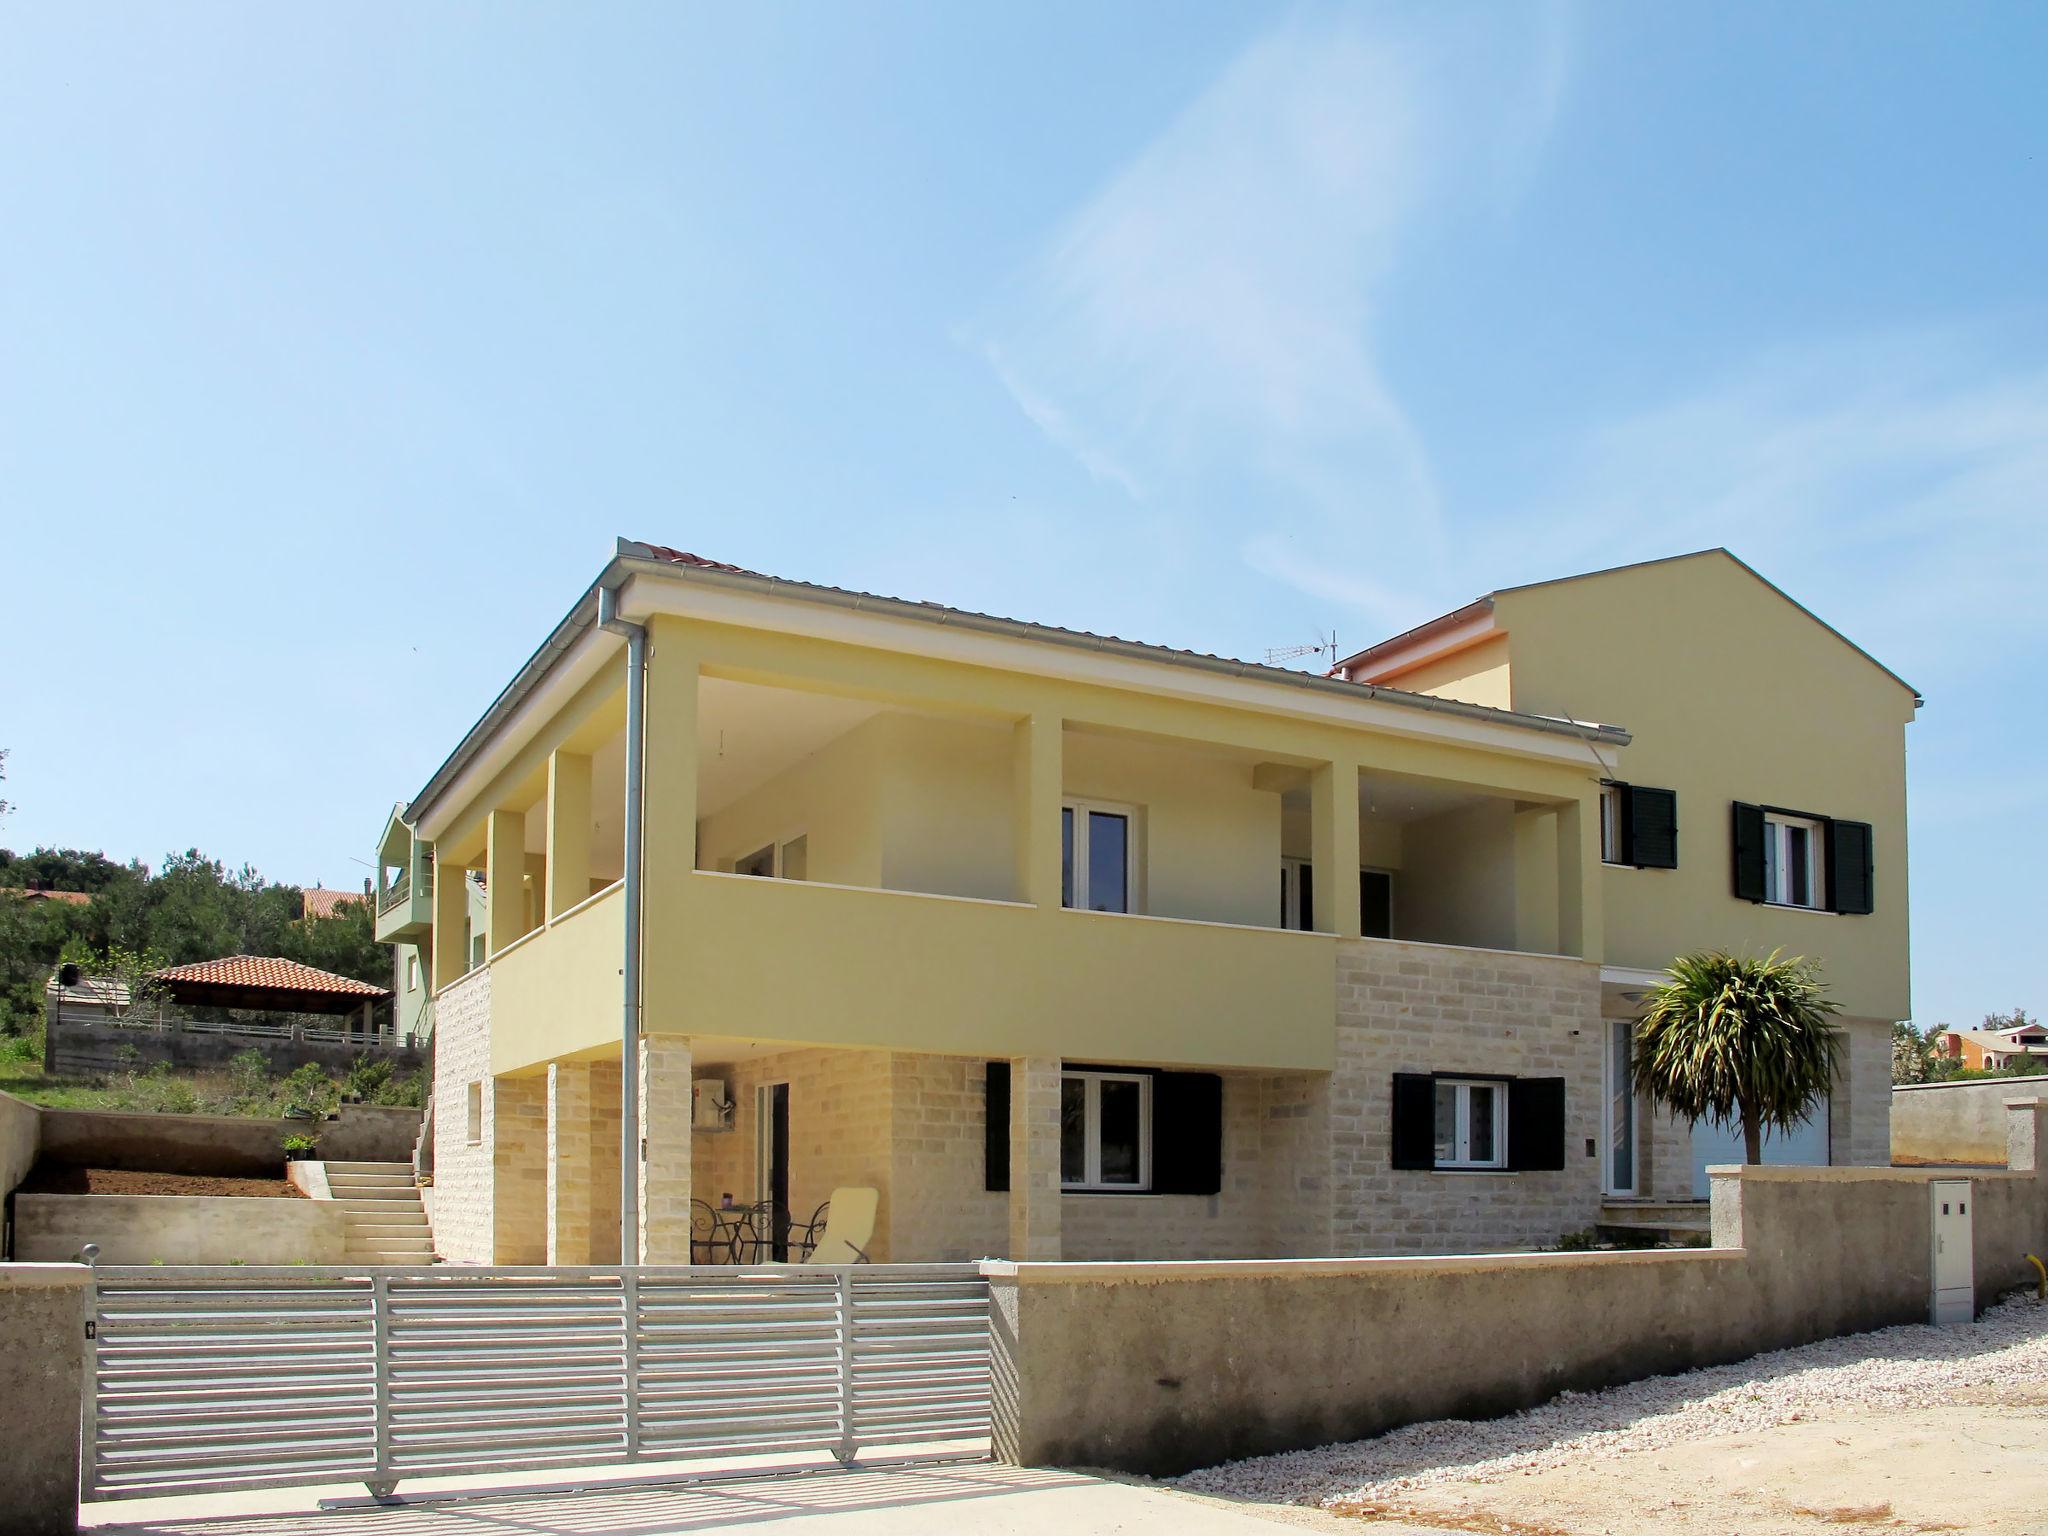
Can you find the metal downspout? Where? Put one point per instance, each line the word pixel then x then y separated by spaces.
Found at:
pixel 629 1034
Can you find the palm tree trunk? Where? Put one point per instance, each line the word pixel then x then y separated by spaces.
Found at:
pixel 1752 1139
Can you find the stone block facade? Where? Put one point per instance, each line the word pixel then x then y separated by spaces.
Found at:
pixel 463 1202
pixel 1429 1008
pixel 1307 1157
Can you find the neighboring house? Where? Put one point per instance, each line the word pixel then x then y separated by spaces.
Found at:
pixel 1993 1050
pixel 1762 806
pixel 63 898
pixel 404 904
pixel 322 902
pixel 1075 947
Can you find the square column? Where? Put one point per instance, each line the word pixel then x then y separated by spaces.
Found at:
pixel 1035 1158
pixel 569 1163
pixel 1578 880
pixel 605 1079
pixel 1333 844
pixel 568 861
pixel 451 923
pixel 665 1063
pixel 505 845
pixel 518 1136
pixel 1037 782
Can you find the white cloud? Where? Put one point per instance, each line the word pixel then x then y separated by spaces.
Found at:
pixel 1203 326
pixel 1894 482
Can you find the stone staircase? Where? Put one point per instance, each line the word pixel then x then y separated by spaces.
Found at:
pixel 387 1224
pixel 1686 1223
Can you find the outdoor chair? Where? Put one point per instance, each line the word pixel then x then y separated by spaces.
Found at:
pixel 804 1236
pixel 849 1227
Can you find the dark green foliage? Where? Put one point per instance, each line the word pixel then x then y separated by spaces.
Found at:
pixel 192 908
pixel 1734 1040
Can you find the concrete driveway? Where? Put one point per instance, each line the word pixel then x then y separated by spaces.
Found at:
pixel 906 1501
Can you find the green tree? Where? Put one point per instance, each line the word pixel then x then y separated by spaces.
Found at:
pixel 1734 1040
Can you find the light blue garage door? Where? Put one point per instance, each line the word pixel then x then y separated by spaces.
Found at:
pixel 1712 1146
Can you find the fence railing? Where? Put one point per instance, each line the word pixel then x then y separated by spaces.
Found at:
pixel 169 1019
pixel 246 1378
pixel 397 894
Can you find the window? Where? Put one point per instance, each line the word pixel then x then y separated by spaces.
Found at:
pixel 1471 1124
pixel 1297 895
pixel 473 1120
pixel 1638 826
pixel 412 973
pixel 1298 904
pixel 1098 856
pixel 1793 860
pixel 1105 1130
pixel 788 860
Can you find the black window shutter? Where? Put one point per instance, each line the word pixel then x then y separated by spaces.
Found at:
pixel 1749 852
pixel 1651 816
pixel 1851 887
pixel 1536 1123
pixel 995 1143
pixel 1414 1122
pixel 1187 1133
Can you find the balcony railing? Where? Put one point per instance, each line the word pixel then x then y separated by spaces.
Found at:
pixel 397 894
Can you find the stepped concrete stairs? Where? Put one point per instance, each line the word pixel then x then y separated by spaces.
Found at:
pixel 387 1224
pixel 1685 1223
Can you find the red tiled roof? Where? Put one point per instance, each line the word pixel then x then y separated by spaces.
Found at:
pixel 321 902
pixel 69 898
pixel 272 974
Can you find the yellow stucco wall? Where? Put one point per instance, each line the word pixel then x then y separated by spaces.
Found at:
pixel 923 795
pixel 1731 692
pixel 1477 674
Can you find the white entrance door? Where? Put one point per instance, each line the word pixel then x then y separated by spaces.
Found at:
pixel 1618 1156
pixel 1804 1146
pixel 1955 1268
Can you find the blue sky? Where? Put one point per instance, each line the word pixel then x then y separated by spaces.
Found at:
pixel 337 345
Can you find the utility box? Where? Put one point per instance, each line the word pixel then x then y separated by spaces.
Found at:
pixel 710 1109
pixel 1955 1268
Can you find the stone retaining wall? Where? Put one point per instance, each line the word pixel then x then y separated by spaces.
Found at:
pixel 178 1229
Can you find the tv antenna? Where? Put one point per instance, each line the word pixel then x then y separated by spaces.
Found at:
pixel 1321 645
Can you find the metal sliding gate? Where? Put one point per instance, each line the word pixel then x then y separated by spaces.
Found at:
pixel 247 1378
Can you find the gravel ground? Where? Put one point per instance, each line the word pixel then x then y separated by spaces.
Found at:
pixel 1893 1369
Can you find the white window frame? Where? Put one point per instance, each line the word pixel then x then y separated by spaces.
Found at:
pixel 1290 892
pixel 1611 851
pixel 1778 862
pixel 1461 1136
pixel 1092 1132
pixel 1079 810
pixel 412 972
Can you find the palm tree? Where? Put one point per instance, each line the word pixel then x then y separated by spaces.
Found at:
pixel 1736 1040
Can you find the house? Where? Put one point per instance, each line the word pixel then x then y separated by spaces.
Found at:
pixel 321 901
pixel 1993 1050
pixel 403 903
pixel 1762 807
pixel 1077 947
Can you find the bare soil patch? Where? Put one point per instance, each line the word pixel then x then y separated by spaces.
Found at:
pixel 48 1178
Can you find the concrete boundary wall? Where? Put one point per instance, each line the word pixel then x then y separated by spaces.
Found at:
pixel 232 1146
pixel 1936 1123
pixel 1160 1368
pixel 179 1229
pixel 43 1309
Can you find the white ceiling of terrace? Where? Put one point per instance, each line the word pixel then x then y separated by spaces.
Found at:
pixel 746 734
